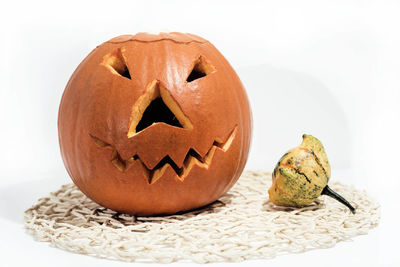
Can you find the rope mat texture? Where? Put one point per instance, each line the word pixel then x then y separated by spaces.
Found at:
pixel 241 225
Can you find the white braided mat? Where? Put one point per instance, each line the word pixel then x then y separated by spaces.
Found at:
pixel 242 225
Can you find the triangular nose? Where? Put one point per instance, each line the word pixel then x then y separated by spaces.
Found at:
pixel 156 105
pixel 157 111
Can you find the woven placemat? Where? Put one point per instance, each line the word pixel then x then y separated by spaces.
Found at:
pixel 241 225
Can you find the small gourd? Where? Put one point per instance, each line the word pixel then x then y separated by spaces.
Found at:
pixel 302 175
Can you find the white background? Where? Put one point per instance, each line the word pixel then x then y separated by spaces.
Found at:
pixel 327 68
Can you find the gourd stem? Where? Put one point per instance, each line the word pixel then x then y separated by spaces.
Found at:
pixel 329 192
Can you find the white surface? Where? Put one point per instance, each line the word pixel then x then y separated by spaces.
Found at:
pixel 19 248
pixel 328 68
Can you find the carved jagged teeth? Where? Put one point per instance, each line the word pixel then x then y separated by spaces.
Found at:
pixel 192 158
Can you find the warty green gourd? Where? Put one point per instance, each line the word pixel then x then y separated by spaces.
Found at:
pixel 302 175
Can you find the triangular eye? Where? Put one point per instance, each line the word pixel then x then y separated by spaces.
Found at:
pixel 200 69
pixel 157 111
pixel 116 62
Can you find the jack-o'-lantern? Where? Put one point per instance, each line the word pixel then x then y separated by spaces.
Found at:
pixel 154 124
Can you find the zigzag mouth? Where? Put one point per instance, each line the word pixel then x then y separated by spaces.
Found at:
pixel 192 158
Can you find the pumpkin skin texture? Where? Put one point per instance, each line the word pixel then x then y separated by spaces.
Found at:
pixel 154 124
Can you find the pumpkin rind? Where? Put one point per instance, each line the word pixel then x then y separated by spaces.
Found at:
pixel 97 105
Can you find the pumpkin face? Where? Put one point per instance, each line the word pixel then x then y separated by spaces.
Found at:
pixel 154 124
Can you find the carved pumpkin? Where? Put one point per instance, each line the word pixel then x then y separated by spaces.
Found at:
pixel 154 124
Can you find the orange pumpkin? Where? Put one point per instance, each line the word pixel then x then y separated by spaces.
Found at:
pixel 154 124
